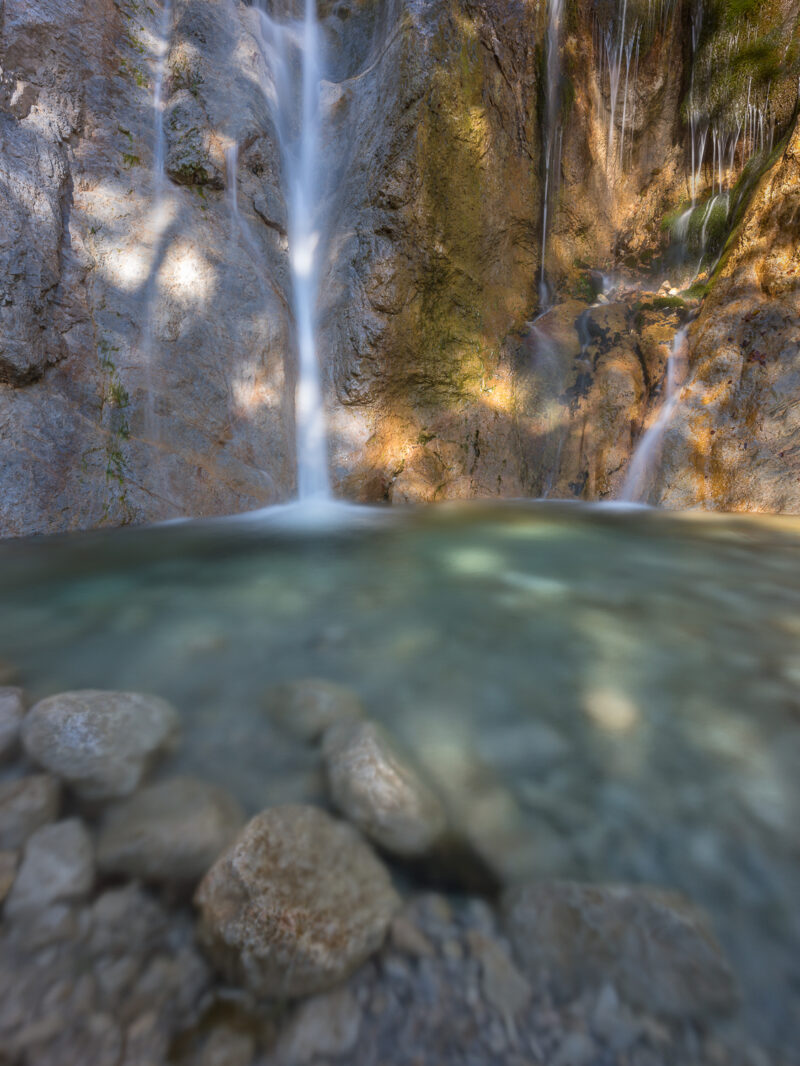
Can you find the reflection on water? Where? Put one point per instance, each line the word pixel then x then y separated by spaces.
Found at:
pixel 609 695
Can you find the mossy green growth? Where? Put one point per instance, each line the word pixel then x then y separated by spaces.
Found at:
pixel 662 303
pixel 742 195
pixel 451 146
pixel 703 229
pixel 744 59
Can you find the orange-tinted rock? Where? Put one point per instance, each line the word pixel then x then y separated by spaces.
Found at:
pixel 295 905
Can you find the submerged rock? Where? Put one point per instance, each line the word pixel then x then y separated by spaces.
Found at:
pixel 168 832
pixel 8 871
pixel 380 791
pixel 295 905
pixel 308 707
pixel 12 711
pixel 26 804
pixel 652 945
pixel 100 743
pixel 115 983
pixel 226 1046
pixel 326 1025
pixel 57 867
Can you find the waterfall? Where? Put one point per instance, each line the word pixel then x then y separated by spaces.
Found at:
pixel 643 461
pixel 288 45
pixel 553 134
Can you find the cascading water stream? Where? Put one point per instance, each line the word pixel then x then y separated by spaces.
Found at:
pixel 640 470
pixel 552 135
pixel 287 45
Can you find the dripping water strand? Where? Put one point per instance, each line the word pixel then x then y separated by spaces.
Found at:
pixel 553 135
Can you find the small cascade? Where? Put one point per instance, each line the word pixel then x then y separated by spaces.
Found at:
pixel 553 135
pixel 293 48
pixel 645 458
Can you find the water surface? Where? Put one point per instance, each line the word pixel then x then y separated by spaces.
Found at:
pixel 620 687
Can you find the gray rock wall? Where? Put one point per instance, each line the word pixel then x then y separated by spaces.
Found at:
pixel 104 419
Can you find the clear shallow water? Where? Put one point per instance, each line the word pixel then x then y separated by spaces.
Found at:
pixel 615 693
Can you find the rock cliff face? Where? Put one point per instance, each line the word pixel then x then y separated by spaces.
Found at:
pixel 146 339
pixel 733 443
pixel 147 353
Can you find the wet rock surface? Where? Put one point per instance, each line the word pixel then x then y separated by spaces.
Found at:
pixel 300 908
pixel 12 711
pixel 573 937
pixel 296 904
pixel 57 867
pixel 307 708
pixel 112 983
pixel 379 790
pixel 100 743
pixel 464 1000
pixel 168 833
pixel 730 445
pixel 26 804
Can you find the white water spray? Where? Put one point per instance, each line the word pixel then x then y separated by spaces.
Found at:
pixel 647 454
pixel 553 135
pixel 289 45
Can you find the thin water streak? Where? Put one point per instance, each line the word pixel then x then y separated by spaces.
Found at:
pixel 644 459
pixel 553 135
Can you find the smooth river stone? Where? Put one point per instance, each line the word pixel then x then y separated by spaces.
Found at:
pixel 307 708
pixel 170 832
pixel 57 867
pixel 379 791
pixel 653 946
pixel 12 711
pixel 295 905
pixel 100 743
pixel 26 804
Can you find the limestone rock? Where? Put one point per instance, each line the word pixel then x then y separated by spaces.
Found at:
pixel 380 791
pixel 8 871
pixel 179 392
pixel 170 832
pixel 655 949
pixel 308 707
pixel 295 905
pixel 190 148
pixel 57 867
pixel 504 986
pixel 124 958
pixel 227 1046
pixel 26 804
pixel 326 1025
pixel 577 1049
pixel 12 711
pixel 100 743
pixel 731 443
